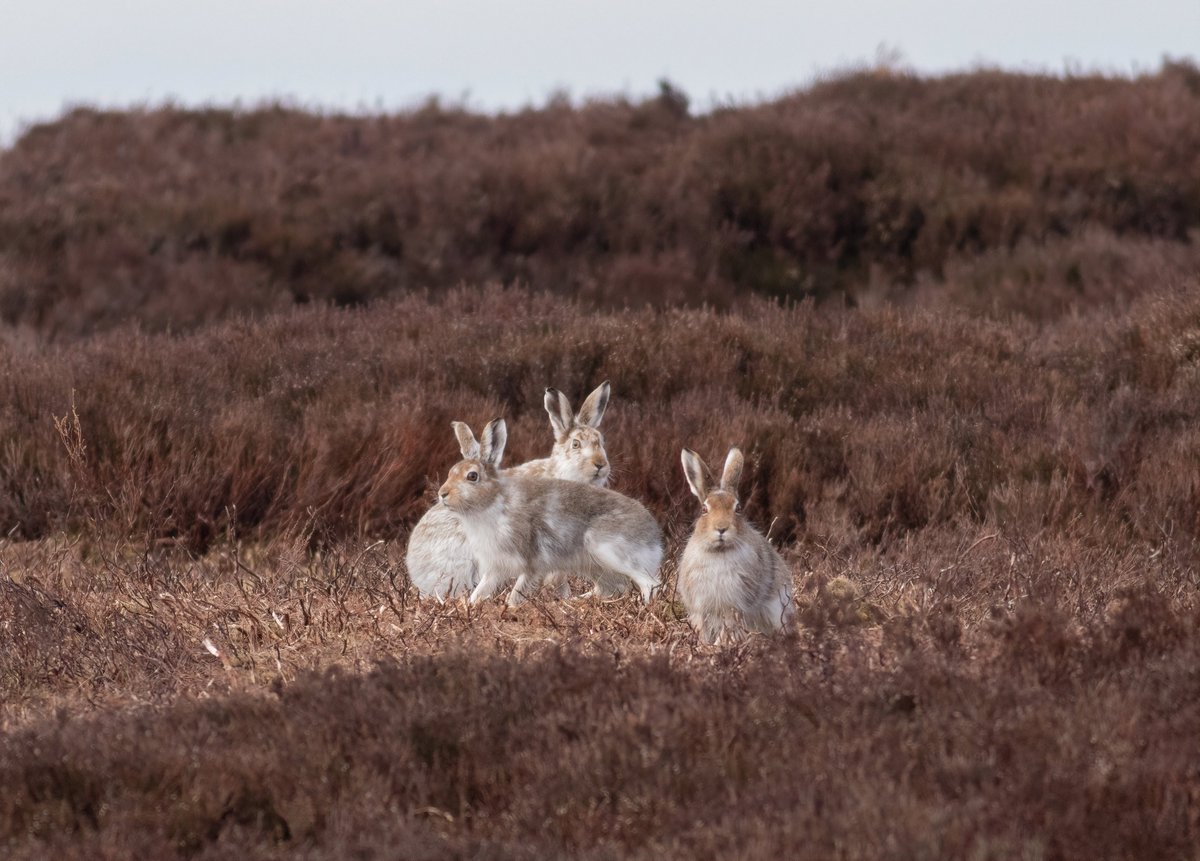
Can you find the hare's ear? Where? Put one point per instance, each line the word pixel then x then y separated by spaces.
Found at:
pixel 466 441
pixel 593 408
pixel 733 471
pixel 559 410
pixel 495 435
pixel 693 470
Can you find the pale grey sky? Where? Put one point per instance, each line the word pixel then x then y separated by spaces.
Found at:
pixel 367 53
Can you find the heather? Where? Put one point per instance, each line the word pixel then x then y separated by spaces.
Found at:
pixel 965 693
pixel 954 323
pixel 176 218
pixel 339 420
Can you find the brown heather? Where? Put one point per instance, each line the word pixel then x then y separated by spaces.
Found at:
pixel 975 438
pixel 176 218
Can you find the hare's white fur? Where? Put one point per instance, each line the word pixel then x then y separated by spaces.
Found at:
pixel 440 563
pixel 731 580
pixel 522 529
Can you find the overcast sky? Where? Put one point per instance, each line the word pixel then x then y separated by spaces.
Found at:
pixel 368 53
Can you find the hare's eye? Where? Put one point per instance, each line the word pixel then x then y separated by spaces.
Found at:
pixel 575 443
pixel 737 506
pixel 472 476
pixel 704 507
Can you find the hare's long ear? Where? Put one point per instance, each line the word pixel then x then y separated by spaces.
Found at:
pixel 693 470
pixel 593 408
pixel 466 441
pixel 495 435
pixel 733 471
pixel 559 410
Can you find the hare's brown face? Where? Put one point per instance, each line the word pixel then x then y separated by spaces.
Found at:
pixel 720 525
pixel 470 485
pixel 720 521
pixel 579 455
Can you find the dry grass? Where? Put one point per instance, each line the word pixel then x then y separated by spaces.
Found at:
pixel 960 694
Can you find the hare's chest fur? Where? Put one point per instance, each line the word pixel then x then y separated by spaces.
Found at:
pixel 716 581
pixel 490 530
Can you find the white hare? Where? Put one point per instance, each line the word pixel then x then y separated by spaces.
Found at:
pixel 521 528
pixel 439 562
pixel 731 580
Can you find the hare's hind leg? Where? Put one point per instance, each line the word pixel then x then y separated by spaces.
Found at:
pixel 606 583
pixel 559 582
pixel 526 587
pixel 639 564
pixel 490 579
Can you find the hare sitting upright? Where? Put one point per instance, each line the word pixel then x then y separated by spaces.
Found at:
pixel 731 580
pixel 522 528
pixel 439 562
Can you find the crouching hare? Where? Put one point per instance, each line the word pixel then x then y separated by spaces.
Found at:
pixel 524 528
pixel 439 562
pixel 731 580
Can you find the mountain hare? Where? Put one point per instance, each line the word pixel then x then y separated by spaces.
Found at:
pixel 523 528
pixel 439 562
pixel 731 580
pixel 578 453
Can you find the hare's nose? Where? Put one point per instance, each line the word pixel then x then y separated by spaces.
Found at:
pixel 722 529
pixel 599 464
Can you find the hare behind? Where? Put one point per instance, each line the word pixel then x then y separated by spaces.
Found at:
pixel 578 453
